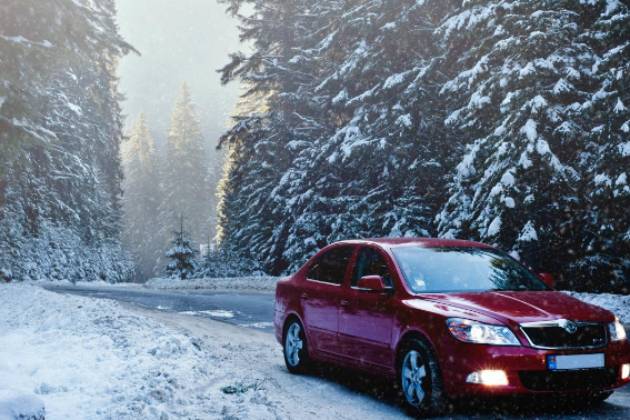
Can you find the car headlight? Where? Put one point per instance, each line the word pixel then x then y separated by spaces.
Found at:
pixel 616 331
pixel 477 332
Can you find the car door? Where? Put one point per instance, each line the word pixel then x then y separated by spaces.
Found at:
pixel 321 295
pixel 366 317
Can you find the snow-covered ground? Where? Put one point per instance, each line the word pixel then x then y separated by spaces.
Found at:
pixel 618 304
pixel 91 359
pixel 257 284
pixel 16 405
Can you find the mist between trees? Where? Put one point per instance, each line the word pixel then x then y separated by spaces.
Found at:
pixel 164 192
pixel 501 121
pixel 61 175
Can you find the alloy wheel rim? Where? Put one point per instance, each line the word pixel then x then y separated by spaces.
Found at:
pixel 293 344
pixel 414 375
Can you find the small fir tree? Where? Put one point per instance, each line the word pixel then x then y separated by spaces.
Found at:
pixel 181 254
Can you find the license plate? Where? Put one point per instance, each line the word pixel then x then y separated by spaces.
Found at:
pixel 576 361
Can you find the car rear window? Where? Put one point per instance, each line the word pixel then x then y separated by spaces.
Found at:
pixel 331 266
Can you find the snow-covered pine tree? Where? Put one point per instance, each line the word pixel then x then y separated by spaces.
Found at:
pixel 280 117
pixel 60 130
pixel 181 254
pixel 519 75
pixel 184 172
pixel 141 198
pixel 380 170
pixel 605 262
pixel 500 97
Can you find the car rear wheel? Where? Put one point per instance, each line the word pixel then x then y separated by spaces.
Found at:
pixel 420 379
pixel 295 347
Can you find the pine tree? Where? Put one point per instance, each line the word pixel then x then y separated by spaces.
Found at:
pixel 381 171
pixel 518 76
pixel 500 121
pixel 182 256
pixel 184 171
pixel 279 120
pixel 605 262
pixel 341 91
pixel 141 198
pixel 60 130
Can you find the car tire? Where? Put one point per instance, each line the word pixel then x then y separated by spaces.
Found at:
pixel 295 347
pixel 420 381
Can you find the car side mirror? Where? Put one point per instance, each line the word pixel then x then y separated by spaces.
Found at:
pixel 548 279
pixel 373 283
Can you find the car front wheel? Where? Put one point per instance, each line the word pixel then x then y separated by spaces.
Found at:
pixel 420 379
pixel 295 347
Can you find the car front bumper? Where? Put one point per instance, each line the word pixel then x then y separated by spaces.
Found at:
pixel 526 370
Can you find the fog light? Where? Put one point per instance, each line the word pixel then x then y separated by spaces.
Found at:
pixel 488 377
pixel 625 371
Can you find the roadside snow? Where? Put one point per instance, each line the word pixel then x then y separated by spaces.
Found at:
pixel 256 284
pixel 14 405
pixel 91 359
pixel 618 304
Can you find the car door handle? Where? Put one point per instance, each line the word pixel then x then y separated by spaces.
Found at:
pixel 344 302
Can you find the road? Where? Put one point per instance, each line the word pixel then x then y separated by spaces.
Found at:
pixel 255 310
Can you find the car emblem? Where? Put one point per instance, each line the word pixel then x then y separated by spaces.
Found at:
pixel 569 326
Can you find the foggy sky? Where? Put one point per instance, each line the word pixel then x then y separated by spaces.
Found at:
pixel 180 41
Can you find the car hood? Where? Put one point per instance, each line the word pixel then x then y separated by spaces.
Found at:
pixel 519 307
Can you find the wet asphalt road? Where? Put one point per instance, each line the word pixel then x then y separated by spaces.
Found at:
pixel 255 310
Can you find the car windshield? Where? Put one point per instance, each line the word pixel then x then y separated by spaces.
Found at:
pixel 463 269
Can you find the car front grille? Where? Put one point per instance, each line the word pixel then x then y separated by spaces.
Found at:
pixel 574 380
pixel 553 336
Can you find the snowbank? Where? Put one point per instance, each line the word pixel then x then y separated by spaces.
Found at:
pixel 91 359
pixel 256 284
pixel 14 405
pixel 618 304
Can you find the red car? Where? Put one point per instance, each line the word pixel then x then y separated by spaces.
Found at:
pixel 447 319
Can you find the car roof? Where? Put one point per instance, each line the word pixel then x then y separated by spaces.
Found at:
pixel 423 242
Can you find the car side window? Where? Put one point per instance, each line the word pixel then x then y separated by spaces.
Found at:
pixel 371 262
pixel 331 267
